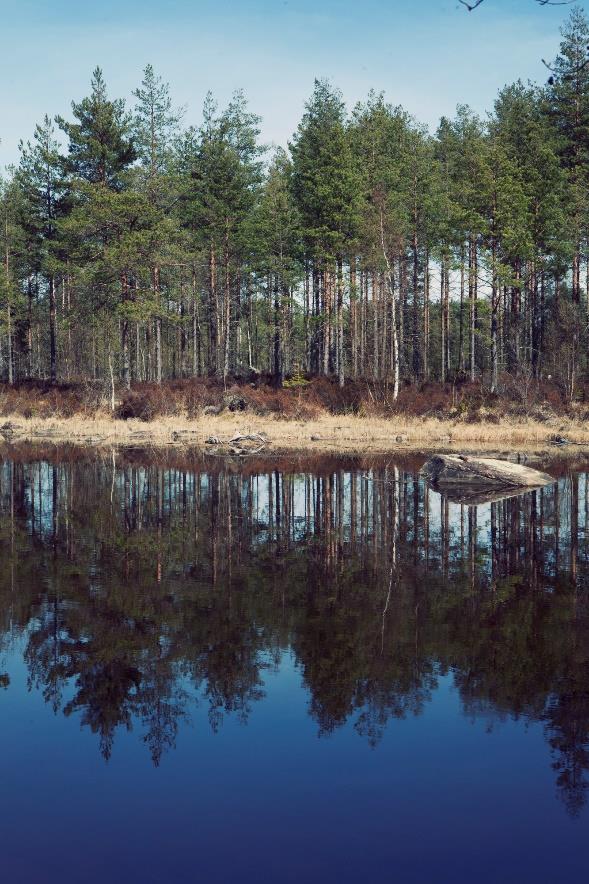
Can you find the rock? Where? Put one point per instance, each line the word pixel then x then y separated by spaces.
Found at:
pixel 315 438
pixel 456 470
pixel 212 440
pixel 184 435
pixel 8 430
pixel 212 409
pixel 235 403
pixel 477 496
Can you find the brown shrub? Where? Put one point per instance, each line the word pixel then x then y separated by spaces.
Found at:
pixel 41 399
pixel 429 399
pixel 327 394
pixel 148 402
pixel 464 401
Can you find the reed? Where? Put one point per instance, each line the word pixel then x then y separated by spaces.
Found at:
pixel 327 433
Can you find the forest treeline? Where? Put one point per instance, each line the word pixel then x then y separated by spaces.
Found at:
pixel 134 249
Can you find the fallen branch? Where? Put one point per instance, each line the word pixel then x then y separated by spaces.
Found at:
pixel 249 437
pixel 239 445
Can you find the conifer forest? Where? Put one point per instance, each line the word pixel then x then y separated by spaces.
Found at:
pixel 137 249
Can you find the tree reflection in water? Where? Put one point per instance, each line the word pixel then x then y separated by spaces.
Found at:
pixel 138 589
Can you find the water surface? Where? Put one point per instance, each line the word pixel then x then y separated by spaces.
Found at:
pixel 289 671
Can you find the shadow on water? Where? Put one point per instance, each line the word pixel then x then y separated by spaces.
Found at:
pixel 136 584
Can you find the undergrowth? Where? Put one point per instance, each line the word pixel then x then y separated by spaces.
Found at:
pixel 300 398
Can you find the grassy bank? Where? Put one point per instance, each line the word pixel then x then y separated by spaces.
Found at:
pixel 306 415
pixel 328 433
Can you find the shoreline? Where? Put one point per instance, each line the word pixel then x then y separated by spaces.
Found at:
pixel 329 434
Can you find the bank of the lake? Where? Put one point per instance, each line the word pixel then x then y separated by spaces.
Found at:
pixel 330 433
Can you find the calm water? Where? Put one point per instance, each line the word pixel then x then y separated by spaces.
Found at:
pixel 289 672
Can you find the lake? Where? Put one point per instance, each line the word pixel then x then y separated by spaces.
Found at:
pixel 277 670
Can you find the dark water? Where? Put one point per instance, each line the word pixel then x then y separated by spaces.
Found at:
pixel 289 672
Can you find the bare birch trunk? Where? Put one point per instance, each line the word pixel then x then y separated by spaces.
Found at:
pixel 390 283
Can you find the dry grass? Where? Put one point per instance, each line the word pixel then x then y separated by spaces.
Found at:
pixel 327 433
pixel 315 416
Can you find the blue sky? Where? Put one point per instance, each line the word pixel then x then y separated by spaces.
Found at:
pixel 427 55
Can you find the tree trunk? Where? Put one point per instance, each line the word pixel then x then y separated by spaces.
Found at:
pixel 375 353
pixel 362 323
pixel 307 320
pixel 227 318
pixel 353 317
pixel 326 320
pixel 472 295
pixel 576 277
pixel 494 319
pixel 29 328
pixel 515 320
pixel 196 336
pixel 391 286
pixel 213 313
pixel 340 323
pixel 534 344
pixel 158 325
pixel 460 356
pixel 10 354
pixel 316 312
pixel 416 336
pixel 125 336
pixel 443 321
pixel 277 361
pixel 426 282
pixel 52 332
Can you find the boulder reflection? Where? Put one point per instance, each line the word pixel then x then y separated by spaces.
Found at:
pixel 139 590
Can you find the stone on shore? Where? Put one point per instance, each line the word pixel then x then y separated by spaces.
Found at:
pixel 459 470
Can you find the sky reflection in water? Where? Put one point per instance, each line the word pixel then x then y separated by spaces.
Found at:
pixel 323 672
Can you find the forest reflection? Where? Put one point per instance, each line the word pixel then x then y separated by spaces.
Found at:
pixel 136 589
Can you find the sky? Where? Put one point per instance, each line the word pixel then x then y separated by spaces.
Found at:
pixel 428 56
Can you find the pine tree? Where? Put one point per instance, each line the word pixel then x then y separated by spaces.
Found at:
pixel 507 233
pixel 467 137
pixel 568 107
pixel 155 126
pixel 277 229
pixel 221 170
pixel 327 190
pixel 100 152
pixel 12 249
pixel 380 135
pixel 543 253
pixel 450 237
pixel 100 145
pixel 44 203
